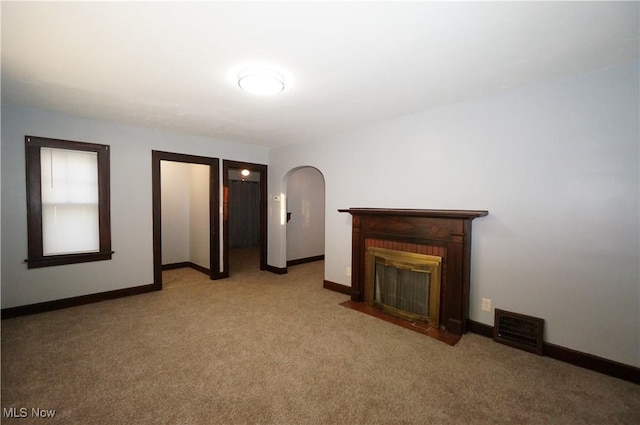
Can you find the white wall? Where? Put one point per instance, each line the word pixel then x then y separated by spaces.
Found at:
pixel 305 202
pixel 131 209
pixel 175 182
pixel 199 227
pixel 556 165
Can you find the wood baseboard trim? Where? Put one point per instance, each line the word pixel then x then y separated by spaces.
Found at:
pixel 199 268
pixel 480 328
pixel 305 260
pixel 576 358
pixel 337 287
pixel 591 362
pixel 174 266
pixel 276 270
pixel 11 312
pixel 184 264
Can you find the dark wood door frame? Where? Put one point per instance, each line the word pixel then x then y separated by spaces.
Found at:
pixel 214 210
pixel 254 168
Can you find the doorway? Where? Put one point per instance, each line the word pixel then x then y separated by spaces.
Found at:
pixel 244 210
pixel 158 158
pixel 305 188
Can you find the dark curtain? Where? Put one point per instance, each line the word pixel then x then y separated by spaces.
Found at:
pixel 244 214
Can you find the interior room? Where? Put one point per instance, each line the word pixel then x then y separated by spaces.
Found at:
pixel 185 215
pixel 265 157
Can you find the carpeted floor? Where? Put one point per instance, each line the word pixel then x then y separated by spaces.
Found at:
pixel 260 348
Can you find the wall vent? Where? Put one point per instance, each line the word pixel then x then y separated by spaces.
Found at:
pixel 519 331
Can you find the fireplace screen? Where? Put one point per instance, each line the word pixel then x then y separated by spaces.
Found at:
pixel 404 284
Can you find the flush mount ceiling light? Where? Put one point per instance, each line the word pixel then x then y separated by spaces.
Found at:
pixel 261 81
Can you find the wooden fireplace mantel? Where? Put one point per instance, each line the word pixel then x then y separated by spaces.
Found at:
pixel 446 231
pixel 457 214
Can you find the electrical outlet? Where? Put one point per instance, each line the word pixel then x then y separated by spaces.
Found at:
pixel 349 271
pixel 486 304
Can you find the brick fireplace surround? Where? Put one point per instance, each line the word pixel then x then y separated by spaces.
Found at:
pixel 444 233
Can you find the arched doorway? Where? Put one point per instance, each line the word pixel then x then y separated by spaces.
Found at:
pixel 305 202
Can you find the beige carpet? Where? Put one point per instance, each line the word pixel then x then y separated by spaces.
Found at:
pixel 259 348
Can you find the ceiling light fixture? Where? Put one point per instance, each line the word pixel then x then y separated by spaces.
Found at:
pixel 261 81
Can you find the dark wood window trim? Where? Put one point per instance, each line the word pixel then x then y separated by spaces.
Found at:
pixel 35 257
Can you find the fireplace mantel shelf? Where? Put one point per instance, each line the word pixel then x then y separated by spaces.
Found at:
pixel 459 214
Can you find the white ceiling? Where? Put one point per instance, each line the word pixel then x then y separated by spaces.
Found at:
pixel 166 64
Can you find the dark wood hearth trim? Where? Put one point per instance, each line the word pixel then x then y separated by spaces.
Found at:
pixel 305 260
pixel 576 358
pixel 11 312
pixel 276 270
pixel 423 328
pixel 337 287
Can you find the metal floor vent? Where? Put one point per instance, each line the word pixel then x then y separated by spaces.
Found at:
pixel 519 331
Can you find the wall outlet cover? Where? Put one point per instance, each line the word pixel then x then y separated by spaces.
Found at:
pixel 486 304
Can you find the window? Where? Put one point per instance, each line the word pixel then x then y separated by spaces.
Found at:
pixel 68 206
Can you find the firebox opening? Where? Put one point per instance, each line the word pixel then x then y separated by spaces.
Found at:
pixel 404 284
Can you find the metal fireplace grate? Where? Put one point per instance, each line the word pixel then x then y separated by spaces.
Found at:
pixel 519 331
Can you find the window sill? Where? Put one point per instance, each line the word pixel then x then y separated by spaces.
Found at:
pixel 58 260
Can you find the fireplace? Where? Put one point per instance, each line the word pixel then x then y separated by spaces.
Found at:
pixel 400 236
pixel 404 284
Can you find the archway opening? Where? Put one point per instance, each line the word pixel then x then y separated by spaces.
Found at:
pixel 305 207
